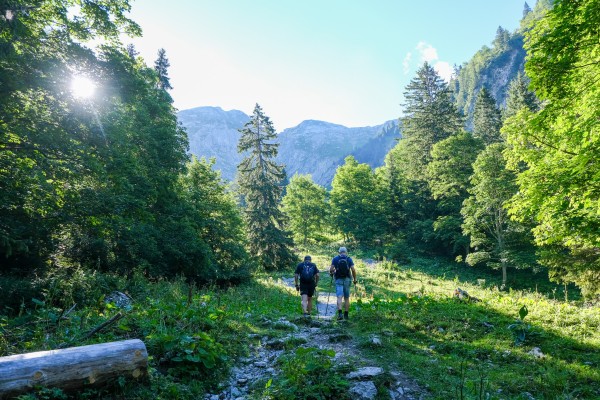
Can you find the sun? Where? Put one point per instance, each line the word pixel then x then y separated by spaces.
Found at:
pixel 82 87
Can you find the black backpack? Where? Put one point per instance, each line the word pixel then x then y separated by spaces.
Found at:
pixel 342 269
pixel 308 274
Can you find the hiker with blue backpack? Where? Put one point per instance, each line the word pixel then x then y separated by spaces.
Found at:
pixel 342 269
pixel 306 279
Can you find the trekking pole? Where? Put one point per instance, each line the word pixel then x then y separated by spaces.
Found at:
pixel 329 294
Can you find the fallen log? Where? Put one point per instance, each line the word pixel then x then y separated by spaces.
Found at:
pixel 72 367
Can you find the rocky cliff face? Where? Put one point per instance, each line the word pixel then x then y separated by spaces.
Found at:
pixel 493 68
pixel 318 148
pixel 313 147
pixel 213 132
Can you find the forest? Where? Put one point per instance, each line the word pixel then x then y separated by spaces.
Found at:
pixel 100 194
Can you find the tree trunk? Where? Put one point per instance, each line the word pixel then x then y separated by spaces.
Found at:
pixel 73 367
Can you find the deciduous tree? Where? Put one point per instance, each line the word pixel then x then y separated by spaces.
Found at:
pixel 498 241
pixel 560 187
pixel 356 204
pixel 307 209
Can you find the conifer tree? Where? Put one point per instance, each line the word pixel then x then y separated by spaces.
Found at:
pixel 132 51
pixel 526 9
pixel 430 116
pixel 260 179
pixel 501 39
pixel 519 96
pixel 161 66
pixel 487 119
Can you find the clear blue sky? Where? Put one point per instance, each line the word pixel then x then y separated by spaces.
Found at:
pixel 341 61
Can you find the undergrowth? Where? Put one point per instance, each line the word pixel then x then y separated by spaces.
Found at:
pixel 534 340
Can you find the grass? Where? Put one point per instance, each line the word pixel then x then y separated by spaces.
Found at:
pixel 466 349
pixel 455 349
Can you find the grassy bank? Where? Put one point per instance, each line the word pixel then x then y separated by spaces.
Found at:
pixel 478 349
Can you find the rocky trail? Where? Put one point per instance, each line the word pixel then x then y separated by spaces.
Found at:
pixel 322 331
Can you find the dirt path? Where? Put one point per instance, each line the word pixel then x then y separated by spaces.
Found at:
pixel 324 332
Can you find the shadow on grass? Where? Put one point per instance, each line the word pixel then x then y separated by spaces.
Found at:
pixel 467 347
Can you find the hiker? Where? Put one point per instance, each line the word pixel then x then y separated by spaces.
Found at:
pixel 306 279
pixel 342 269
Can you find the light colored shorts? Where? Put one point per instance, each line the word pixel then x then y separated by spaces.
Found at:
pixel 342 287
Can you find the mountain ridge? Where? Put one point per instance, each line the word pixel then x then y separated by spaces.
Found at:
pixel 312 147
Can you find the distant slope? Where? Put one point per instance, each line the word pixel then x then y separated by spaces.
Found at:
pixel 495 67
pixel 313 147
pixel 213 132
pixel 318 148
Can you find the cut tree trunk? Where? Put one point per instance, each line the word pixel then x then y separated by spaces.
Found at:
pixel 72 367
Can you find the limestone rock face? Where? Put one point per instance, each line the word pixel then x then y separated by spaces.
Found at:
pixel 312 147
pixel 213 132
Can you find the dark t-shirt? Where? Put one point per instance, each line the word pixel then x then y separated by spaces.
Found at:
pixel 335 261
pixel 299 269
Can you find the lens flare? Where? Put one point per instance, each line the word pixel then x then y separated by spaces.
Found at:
pixel 82 87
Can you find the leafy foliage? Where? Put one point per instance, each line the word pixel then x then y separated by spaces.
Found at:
pixel 306 207
pixel 449 171
pixel 498 241
pixel 47 138
pixel 217 221
pixel 358 209
pixel 559 144
pixel 95 182
pixel 308 373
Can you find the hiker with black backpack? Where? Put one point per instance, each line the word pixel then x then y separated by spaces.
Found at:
pixel 306 279
pixel 342 269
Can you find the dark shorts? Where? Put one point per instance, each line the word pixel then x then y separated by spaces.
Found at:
pixel 307 289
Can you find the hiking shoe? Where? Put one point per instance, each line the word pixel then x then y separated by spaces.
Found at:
pixel 340 316
pixel 306 315
pixel 345 314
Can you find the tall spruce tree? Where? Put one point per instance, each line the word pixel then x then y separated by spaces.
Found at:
pixel 526 10
pixel 161 66
pixel 487 119
pixel 430 116
pixel 260 179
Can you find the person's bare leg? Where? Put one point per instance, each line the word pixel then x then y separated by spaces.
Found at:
pixel 346 303
pixel 309 305
pixel 304 303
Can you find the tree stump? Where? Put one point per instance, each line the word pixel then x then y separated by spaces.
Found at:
pixel 72 367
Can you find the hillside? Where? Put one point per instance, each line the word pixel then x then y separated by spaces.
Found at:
pixel 496 66
pixel 313 147
pixel 213 132
pixel 318 148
